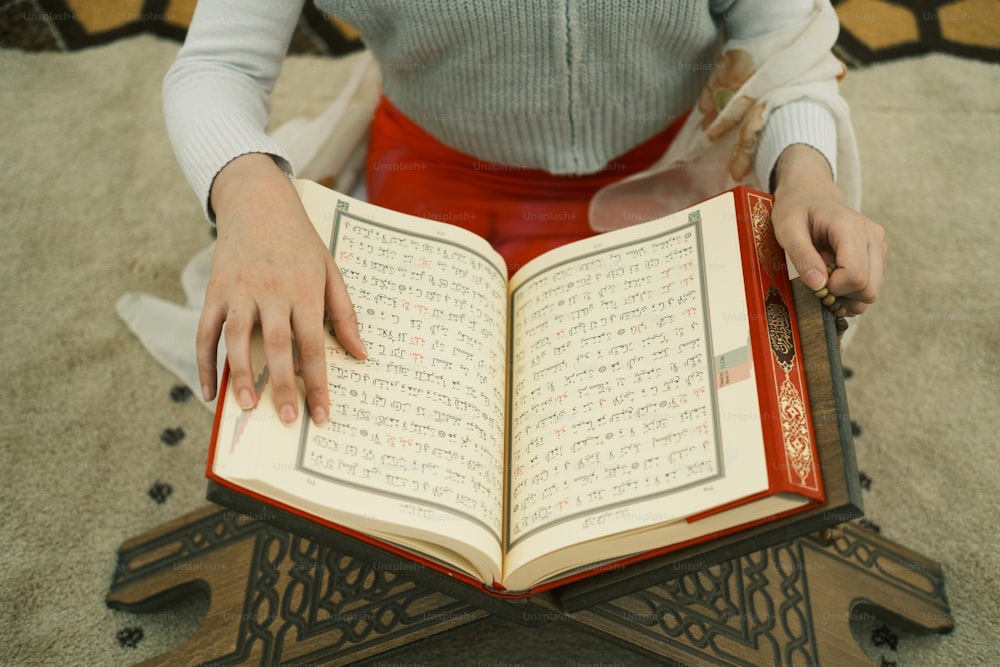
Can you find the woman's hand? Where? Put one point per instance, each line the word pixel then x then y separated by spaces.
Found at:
pixel 270 267
pixel 816 229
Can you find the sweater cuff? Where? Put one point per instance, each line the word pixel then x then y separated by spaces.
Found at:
pixel 802 121
pixel 216 143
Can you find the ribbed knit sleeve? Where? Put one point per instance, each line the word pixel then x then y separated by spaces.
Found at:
pixel 797 122
pixel 216 94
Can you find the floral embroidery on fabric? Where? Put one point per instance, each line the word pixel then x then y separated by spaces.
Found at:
pixel 732 70
pixel 746 142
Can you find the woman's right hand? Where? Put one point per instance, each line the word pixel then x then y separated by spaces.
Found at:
pixel 270 267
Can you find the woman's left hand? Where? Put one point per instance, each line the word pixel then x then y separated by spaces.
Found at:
pixel 817 230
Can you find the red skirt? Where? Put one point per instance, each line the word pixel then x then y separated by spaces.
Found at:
pixel 522 212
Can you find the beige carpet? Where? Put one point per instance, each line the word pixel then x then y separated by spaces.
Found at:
pixel 93 206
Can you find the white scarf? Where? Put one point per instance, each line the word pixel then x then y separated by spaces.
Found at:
pixel 714 149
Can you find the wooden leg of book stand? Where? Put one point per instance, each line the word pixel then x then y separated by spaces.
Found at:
pixel 275 598
pixel 790 605
pixel 278 598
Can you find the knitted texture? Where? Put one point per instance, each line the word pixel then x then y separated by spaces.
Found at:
pixel 560 86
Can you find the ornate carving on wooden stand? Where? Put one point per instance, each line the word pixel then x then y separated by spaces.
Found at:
pixel 278 598
pixel 791 604
pixel 275 597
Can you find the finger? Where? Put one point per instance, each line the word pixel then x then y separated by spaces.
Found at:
pixel 307 324
pixel 277 335
pixel 240 322
pixel 876 264
pixel 857 302
pixel 792 233
pixel 343 318
pixel 850 241
pixel 852 306
pixel 207 346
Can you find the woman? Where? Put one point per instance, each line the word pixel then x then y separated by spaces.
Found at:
pixel 513 115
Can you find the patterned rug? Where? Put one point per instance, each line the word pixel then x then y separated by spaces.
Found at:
pixel 155 461
pixel 871 30
pixel 880 30
pixel 69 25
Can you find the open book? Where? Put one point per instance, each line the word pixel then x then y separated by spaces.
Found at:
pixel 616 398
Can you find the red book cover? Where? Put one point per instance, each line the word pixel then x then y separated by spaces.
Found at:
pixel 784 401
pixel 793 461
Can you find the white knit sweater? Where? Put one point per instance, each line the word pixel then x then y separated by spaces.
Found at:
pixel 563 86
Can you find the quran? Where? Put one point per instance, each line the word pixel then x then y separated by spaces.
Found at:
pixel 617 398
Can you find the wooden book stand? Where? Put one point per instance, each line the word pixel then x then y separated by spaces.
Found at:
pixel 784 593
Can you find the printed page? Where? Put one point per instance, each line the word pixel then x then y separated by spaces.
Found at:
pixel 618 418
pixel 414 441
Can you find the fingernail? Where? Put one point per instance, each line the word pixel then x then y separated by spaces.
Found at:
pixel 319 414
pixel 814 278
pixel 246 399
pixel 206 392
pixel 287 413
